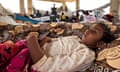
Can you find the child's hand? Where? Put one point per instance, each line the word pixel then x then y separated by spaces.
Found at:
pixel 36 34
pixel 32 34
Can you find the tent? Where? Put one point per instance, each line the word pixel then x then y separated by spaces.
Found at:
pixel 4 11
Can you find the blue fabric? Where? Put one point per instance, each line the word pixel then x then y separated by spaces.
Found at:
pixel 19 17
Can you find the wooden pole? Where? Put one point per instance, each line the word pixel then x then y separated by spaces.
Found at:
pixel 77 5
pixel 77 8
pixel 22 8
pixel 30 9
pixel 119 9
pixel 114 8
pixel 64 4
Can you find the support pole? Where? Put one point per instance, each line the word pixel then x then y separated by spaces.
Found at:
pixel 64 4
pixel 22 7
pixel 114 8
pixel 30 9
pixel 77 5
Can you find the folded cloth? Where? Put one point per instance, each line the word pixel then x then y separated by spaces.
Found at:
pixel 19 17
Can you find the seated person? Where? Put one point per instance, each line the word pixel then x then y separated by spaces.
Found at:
pixel 46 13
pixel 68 54
pixel 108 17
pixel 38 14
pixel 63 17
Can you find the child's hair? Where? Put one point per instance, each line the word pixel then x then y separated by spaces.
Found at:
pixel 108 36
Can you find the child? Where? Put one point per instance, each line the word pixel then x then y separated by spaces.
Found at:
pixel 68 54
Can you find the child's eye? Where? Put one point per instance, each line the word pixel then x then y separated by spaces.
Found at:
pixel 94 31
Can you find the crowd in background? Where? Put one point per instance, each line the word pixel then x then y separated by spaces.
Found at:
pixel 83 16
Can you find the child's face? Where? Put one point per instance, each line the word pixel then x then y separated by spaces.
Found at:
pixel 92 35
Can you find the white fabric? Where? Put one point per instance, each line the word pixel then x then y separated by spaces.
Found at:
pixel 88 19
pixel 9 20
pixel 6 19
pixel 98 13
pixel 4 11
pixel 44 18
pixel 66 54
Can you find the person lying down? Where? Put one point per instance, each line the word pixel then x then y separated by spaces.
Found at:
pixel 68 54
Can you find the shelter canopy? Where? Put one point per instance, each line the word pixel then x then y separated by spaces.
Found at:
pixel 58 0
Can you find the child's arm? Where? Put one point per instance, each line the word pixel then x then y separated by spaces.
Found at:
pixel 35 50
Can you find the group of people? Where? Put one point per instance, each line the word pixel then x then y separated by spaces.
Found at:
pixel 87 16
